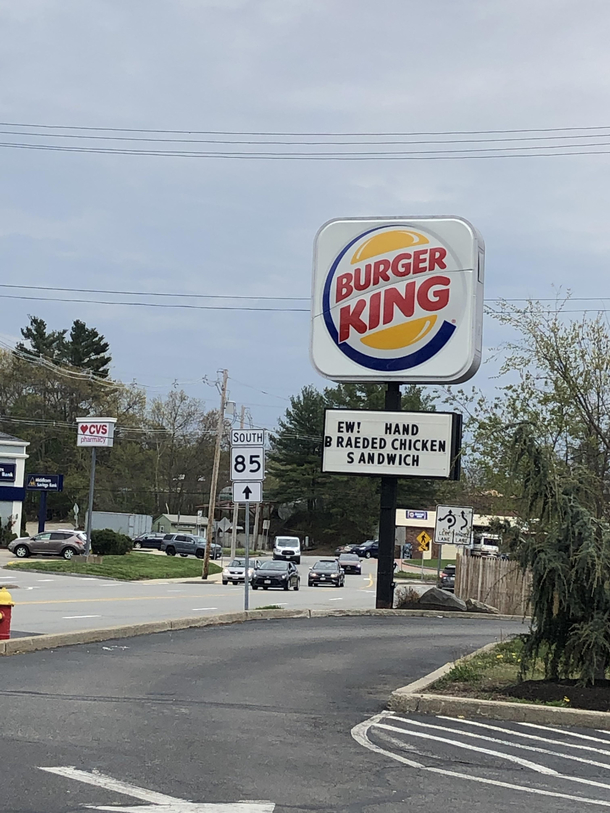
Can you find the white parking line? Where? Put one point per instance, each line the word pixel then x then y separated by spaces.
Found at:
pixel 200 609
pixel 360 734
pixel 68 617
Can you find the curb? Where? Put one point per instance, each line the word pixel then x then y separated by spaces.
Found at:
pixel 35 643
pixel 414 698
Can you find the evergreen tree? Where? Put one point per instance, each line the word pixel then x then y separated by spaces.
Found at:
pixel 42 344
pixel 87 349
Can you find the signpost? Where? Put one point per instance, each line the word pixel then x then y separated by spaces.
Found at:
pixel 396 300
pixel 247 475
pixel 44 483
pixel 93 432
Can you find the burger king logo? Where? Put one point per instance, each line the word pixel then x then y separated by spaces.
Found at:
pixel 390 301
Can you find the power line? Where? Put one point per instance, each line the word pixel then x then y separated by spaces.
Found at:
pixel 154 304
pixel 284 143
pixel 302 134
pixel 425 155
pixel 153 293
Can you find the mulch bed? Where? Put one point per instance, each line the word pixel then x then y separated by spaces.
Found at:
pixel 594 698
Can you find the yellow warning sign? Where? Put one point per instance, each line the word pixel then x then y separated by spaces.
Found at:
pixel 424 540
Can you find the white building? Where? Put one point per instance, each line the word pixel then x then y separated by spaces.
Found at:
pixel 12 476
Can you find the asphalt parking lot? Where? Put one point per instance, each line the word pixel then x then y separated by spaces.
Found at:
pixel 262 712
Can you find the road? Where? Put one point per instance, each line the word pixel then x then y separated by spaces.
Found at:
pixel 259 711
pixel 53 603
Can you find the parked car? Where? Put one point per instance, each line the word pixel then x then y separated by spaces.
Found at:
pixel 234 572
pixel 48 543
pixel 326 571
pixel 188 545
pixel 148 541
pixel 350 563
pixel 448 578
pixel 368 549
pixel 276 574
pixel 345 549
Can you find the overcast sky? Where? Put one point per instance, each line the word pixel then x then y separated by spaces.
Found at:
pixel 226 226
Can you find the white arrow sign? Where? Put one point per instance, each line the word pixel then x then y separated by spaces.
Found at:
pixel 157 802
pixel 247 492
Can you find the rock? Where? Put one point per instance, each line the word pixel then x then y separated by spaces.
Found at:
pixel 474 606
pixel 437 599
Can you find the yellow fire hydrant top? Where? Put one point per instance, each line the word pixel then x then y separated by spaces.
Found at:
pixel 6 600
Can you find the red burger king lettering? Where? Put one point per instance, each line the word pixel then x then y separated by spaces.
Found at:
pixel 431 294
pixel 416 262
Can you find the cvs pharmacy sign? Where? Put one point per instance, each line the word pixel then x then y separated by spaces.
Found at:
pixel 95 431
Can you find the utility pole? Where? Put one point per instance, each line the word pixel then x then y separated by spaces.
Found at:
pixel 257 517
pixel 215 468
pixel 242 419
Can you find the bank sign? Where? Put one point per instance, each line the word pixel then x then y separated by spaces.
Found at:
pixel 398 299
pixel 95 431
pixel 402 444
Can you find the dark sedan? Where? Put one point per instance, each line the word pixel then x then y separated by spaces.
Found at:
pixel 350 563
pixel 368 550
pixel 326 572
pixel 282 575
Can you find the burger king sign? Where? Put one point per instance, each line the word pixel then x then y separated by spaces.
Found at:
pixel 398 299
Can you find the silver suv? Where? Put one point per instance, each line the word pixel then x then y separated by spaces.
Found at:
pixel 49 543
pixel 188 544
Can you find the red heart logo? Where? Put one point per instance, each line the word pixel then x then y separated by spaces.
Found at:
pixel 84 428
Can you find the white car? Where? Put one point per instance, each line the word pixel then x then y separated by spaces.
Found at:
pixel 287 548
pixel 234 572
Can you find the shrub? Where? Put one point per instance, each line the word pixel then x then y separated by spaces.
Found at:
pixel 110 543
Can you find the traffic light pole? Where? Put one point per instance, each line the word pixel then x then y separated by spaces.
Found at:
pixel 387 518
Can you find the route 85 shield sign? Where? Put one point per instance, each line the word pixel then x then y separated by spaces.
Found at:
pixel 398 299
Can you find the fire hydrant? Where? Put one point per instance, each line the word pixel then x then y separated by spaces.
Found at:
pixel 6 610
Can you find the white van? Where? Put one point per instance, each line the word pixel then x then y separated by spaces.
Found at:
pixel 287 548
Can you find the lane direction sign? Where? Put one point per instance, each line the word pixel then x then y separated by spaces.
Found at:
pixel 453 524
pixel 248 492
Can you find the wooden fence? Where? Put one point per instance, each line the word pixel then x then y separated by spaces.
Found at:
pixel 498 582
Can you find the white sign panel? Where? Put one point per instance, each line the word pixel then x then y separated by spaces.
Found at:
pixel 398 299
pixel 453 525
pixel 248 492
pixel 247 463
pixel 404 444
pixel 95 431
pixel 247 437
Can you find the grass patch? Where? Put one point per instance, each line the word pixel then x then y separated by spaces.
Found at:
pixel 404 574
pixel 431 563
pixel 490 675
pixel 131 567
pixel 270 607
pixel 242 552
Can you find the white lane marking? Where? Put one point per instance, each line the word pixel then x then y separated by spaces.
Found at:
pixel 68 617
pixel 530 736
pixel 160 803
pixel 360 734
pixel 369 591
pixel 525 763
pixel 506 743
pixel 45 580
pixel 335 599
pixel 200 609
pixel 565 731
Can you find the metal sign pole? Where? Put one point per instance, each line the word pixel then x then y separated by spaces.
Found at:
pixel 90 509
pixel 247 560
pixel 387 519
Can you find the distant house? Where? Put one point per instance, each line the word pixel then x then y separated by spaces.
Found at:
pixel 174 523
